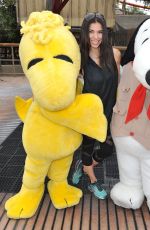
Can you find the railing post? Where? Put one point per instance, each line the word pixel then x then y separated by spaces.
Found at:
pixel 13 57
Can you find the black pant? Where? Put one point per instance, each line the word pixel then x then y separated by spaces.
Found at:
pixel 99 152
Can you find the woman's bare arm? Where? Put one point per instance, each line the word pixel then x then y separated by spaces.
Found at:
pixel 117 56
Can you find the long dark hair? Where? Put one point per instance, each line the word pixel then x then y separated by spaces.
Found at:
pixel 106 52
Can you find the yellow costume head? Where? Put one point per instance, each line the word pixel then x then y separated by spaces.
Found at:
pixel 50 59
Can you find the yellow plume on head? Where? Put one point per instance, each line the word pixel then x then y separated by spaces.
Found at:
pixel 41 26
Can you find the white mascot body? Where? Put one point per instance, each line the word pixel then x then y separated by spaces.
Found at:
pixel 131 123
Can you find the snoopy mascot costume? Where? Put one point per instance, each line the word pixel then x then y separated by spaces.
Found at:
pixel 131 123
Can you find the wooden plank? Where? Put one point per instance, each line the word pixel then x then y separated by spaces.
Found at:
pixel 3 217
pixel 25 7
pixel 61 6
pixel 101 6
pixel 58 219
pixel 66 13
pixel 109 13
pixel 2 196
pixel 87 6
pixel 77 216
pixel 83 10
pixel 2 206
pixel 86 212
pixel 139 219
pixel 130 220
pixel 20 224
pixel 112 215
pixel 9 44
pixel 96 5
pixel 146 215
pixel 50 217
pixel 103 215
pixel 91 6
pixel 30 222
pixel 80 16
pixel 106 5
pixel 74 13
pixel 40 5
pixel 43 211
pixel 121 218
pixel 11 223
pixel 30 6
pixel 94 213
pixel 91 213
pixel 68 218
pixel 3 221
pixel 22 10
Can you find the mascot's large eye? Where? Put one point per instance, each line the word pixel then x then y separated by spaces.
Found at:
pixel 34 61
pixel 64 58
pixel 145 40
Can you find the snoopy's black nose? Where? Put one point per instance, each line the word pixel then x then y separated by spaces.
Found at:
pixel 148 77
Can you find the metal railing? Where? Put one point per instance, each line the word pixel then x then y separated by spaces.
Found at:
pixel 9 59
pixel 10 62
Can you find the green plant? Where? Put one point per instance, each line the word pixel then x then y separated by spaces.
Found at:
pixel 8 23
pixel 134 10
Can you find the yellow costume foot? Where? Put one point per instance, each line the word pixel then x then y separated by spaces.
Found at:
pixel 25 203
pixel 63 195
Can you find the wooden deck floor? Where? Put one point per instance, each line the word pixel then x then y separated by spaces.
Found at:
pixel 90 214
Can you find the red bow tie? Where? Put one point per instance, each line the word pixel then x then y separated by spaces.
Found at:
pixel 137 103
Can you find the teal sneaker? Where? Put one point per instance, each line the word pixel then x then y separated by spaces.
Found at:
pixel 97 190
pixel 77 174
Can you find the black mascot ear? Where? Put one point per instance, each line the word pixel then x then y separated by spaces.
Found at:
pixel 129 53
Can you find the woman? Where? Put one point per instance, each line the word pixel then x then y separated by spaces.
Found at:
pixel 99 65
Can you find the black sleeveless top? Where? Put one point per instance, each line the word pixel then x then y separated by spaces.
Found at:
pixel 103 83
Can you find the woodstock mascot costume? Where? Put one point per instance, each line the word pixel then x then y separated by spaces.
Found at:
pixel 56 117
pixel 131 123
